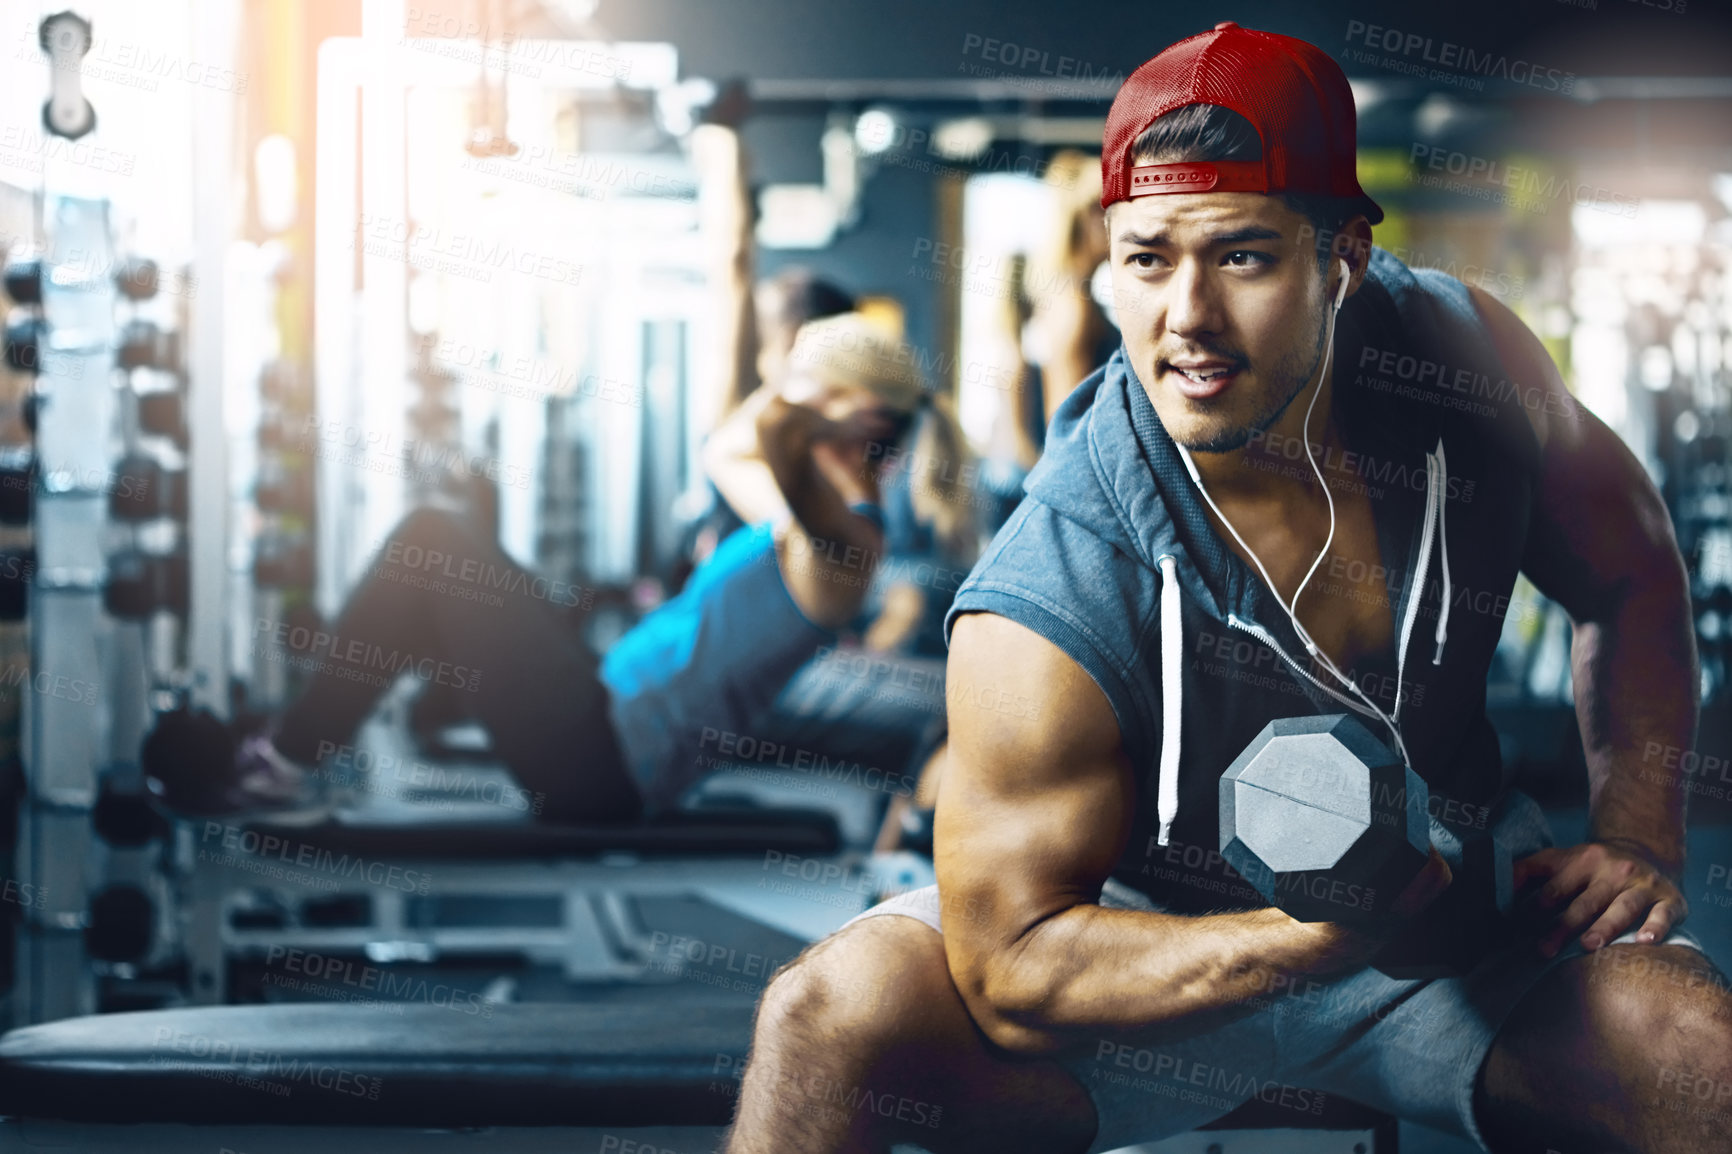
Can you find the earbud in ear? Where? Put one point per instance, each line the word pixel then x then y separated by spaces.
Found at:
pixel 1341 288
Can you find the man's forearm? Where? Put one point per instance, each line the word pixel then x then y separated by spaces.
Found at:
pixel 1635 681
pixel 1091 970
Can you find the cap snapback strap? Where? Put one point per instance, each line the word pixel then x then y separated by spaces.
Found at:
pixel 1199 176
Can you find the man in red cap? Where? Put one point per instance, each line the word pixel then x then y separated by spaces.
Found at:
pixel 1305 484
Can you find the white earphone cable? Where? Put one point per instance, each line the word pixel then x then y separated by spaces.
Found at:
pixel 1290 609
pixel 1191 467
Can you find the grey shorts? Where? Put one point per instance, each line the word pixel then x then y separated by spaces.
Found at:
pixel 1409 1048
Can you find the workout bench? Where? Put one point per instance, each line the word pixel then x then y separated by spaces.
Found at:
pixel 631 1078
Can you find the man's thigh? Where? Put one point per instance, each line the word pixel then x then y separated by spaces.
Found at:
pixel 1413 1048
pixel 1618 1043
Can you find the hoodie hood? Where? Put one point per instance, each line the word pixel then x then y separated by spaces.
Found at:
pixel 1094 471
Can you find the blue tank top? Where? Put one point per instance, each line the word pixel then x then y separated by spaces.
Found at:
pixel 696 673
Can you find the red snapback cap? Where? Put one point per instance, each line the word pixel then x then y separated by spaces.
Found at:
pixel 1293 93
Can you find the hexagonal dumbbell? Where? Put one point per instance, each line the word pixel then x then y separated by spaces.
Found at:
pixel 120 925
pixel 137 278
pixel 125 814
pixel 22 280
pixel 1323 820
pixel 143 345
pixel 17 570
pixel 26 333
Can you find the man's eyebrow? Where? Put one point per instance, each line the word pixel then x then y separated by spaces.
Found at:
pixel 1138 240
pixel 1240 235
pixel 1234 236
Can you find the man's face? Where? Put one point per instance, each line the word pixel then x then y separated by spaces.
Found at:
pixel 1222 309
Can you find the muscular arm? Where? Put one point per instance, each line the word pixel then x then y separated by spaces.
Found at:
pixel 1601 546
pixel 1033 814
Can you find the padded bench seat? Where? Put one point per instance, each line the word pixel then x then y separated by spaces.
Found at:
pixel 558 1064
pixel 683 833
pixel 625 1066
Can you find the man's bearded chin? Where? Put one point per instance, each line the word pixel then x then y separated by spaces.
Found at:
pixel 1293 377
pixel 1237 437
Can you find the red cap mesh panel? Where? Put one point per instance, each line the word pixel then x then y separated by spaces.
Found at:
pixel 1293 94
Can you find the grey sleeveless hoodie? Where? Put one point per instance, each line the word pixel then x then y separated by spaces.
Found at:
pixel 1111 557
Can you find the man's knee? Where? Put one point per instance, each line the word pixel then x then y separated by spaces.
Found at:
pixel 1639 988
pixel 863 985
pixel 1607 1044
pixel 1668 1006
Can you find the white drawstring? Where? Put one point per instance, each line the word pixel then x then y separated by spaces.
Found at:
pixel 1310 646
pixel 1442 634
pixel 1305 435
pixel 1172 696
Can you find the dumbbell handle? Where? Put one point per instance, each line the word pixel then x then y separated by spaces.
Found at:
pixel 1350 946
pixel 1426 887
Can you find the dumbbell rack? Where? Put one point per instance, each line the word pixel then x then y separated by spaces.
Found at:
pixel 67 735
pixel 102 928
pixel 100 637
